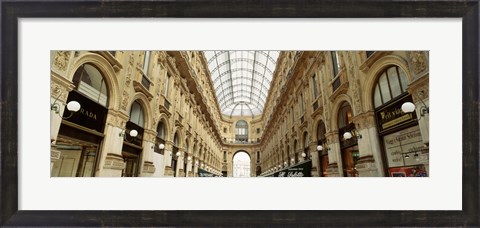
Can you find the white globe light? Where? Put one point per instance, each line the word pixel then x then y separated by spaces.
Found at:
pixel 285 163
pixel 178 154
pixel 133 133
pixel 319 148
pixel 292 159
pixel 189 158
pixel 304 154
pixel 408 107
pixel 161 146
pixel 73 106
pixel 347 135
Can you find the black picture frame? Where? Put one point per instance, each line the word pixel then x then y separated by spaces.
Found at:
pixel 11 11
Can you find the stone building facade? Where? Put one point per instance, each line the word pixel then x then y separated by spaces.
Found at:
pixel 168 98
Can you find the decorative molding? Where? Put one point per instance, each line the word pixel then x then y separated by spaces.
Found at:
pixel 60 60
pixel 364 120
pixel 418 60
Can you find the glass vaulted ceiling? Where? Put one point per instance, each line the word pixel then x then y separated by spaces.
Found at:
pixel 241 79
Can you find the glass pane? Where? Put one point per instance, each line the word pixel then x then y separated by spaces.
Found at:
pixel 246 75
pixel 384 88
pixel 403 79
pixel 377 97
pixel 394 83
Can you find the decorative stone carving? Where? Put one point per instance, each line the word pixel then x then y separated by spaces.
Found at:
pixel 124 100
pixel 58 91
pixel 60 61
pixel 419 61
pixel 364 120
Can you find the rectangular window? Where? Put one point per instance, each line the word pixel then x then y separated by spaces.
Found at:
pixel 225 156
pixel 315 86
pixel 224 130
pixel 335 63
pixel 166 85
pixel 146 62
pixel 258 130
pixel 301 103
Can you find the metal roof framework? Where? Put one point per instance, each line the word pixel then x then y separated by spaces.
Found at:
pixel 241 79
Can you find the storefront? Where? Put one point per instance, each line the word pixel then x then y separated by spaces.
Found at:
pixel 79 139
pixel 348 147
pixel 132 145
pixel 302 169
pixel 205 173
pixel 405 154
pixel 81 133
pixel 323 151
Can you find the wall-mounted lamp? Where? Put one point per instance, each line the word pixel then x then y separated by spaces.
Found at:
pixel 132 133
pixel 304 154
pixel 189 158
pixel 178 154
pixel 348 135
pixel 285 163
pixel 321 148
pixel 72 106
pixel 409 107
pixel 196 162
pixel 292 160
pixel 279 166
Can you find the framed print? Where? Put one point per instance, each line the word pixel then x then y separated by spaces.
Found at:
pixel 121 121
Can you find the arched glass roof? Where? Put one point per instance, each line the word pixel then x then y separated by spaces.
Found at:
pixel 241 79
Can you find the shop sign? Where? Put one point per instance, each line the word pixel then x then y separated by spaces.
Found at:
pixel 407 141
pixel 204 173
pixel 300 170
pixel 91 115
pixel 392 115
pixel 409 171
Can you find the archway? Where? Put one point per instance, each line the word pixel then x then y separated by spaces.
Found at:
pixel 241 164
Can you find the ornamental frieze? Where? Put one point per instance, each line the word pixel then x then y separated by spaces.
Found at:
pixel 60 60
pixel 419 61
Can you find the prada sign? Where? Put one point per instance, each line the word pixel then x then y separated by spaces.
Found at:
pixel 392 116
pixel 91 115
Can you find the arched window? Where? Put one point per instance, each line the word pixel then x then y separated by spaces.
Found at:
pixel 321 132
pixel 160 139
pixel 344 115
pixel 305 145
pixel 90 82
pixel 241 131
pixel 136 114
pixel 295 151
pixel 174 154
pixel 161 130
pixel 323 154
pixel 391 84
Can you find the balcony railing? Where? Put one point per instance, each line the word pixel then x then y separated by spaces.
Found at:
pixel 242 141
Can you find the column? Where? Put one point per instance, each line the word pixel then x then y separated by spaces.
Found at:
pixel 168 158
pixel 370 161
pixel 111 160
pixel 148 168
pixel 335 168
pixel 315 159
